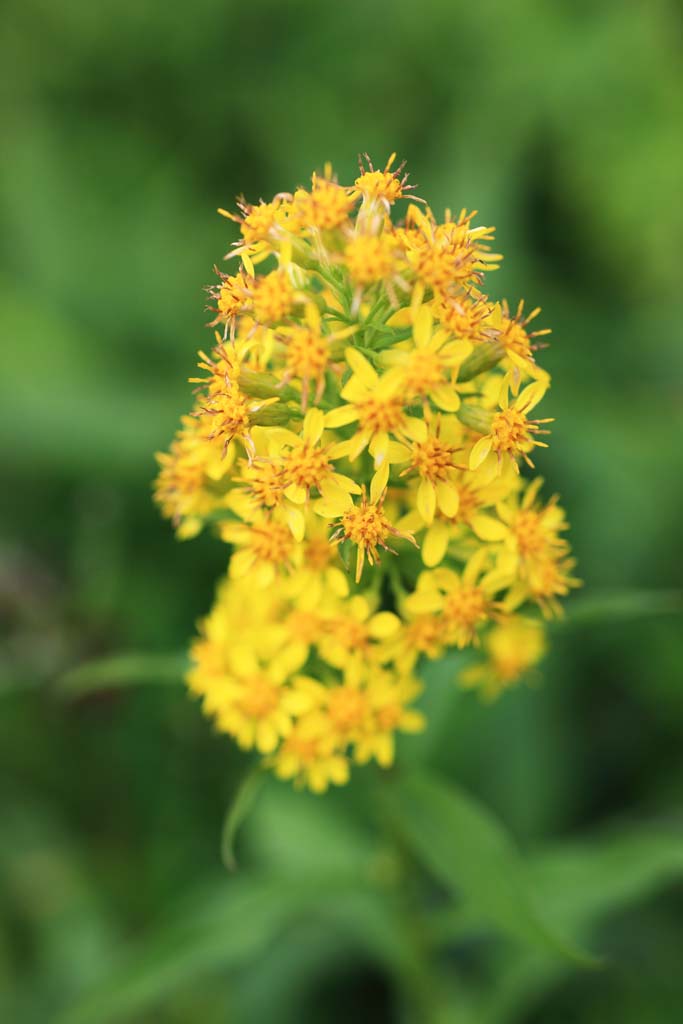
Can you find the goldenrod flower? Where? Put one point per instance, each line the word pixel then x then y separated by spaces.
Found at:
pixel 363 391
pixel 511 432
pixel 511 649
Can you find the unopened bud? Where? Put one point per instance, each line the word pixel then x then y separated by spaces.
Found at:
pixel 484 357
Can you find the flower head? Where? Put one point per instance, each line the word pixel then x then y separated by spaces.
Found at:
pixel 364 396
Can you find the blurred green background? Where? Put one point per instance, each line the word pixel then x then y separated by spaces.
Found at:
pixel 124 126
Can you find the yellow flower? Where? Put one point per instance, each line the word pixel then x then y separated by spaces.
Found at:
pixel 386 186
pixel 512 433
pixel 264 547
pixel 388 697
pixel 193 478
pixel 370 258
pixel 307 464
pixel 374 402
pixel 432 455
pixel 365 525
pixel 363 389
pixel 326 206
pixel 465 601
pixel 427 370
pixel 272 298
pixel 511 648
pixel 309 757
pixel 309 352
pixel 520 344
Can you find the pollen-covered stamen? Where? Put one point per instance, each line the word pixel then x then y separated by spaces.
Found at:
pixel 512 433
pixel 433 459
pixel 514 335
pixel 260 698
pixel 258 223
pixel 347 708
pixel 386 185
pixel 230 297
pixel 272 298
pixel 367 526
pixel 532 535
pixel 271 542
pixel 307 466
pixel 370 258
pixel 231 415
pixel 306 358
pixel 265 482
pixel 380 415
pixel 465 607
pixel 466 319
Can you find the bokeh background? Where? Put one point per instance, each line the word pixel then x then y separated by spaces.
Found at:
pixel 124 126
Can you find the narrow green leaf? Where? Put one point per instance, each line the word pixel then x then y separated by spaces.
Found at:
pixel 469 852
pixel 120 670
pixel 242 803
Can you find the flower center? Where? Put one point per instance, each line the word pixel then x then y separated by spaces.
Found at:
pixel 318 553
pixel 271 543
pixel 260 699
pixel 265 484
pixel 273 298
pixel 432 459
pixel 366 526
pixel 465 606
pixel 424 372
pixel 388 717
pixel 347 708
pixel 231 413
pixel 307 466
pixel 307 354
pixel 369 258
pixel 511 431
pixel 379 415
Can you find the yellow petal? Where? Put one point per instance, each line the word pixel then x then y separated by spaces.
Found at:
pixel 314 424
pixel 361 367
pixel 426 500
pixel 447 498
pixel 422 326
pixel 383 625
pixel 446 398
pixel 344 483
pixel 296 494
pixel 415 429
pixel 435 545
pixel 479 451
pixel 296 523
pixel 240 564
pixel 379 482
pixel 487 528
pixel 341 416
pixel 335 502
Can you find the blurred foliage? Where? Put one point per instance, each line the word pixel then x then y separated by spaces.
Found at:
pixel 125 126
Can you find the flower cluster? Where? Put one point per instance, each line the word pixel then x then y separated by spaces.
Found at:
pixel 356 438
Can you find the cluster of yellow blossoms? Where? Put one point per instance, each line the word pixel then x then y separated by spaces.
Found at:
pixel 356 439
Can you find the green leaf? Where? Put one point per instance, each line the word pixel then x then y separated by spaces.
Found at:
pixel 580 882
pixel 126 669
pixel 230 926
pixel 242 803
pixel 468 851
pixel 226 929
